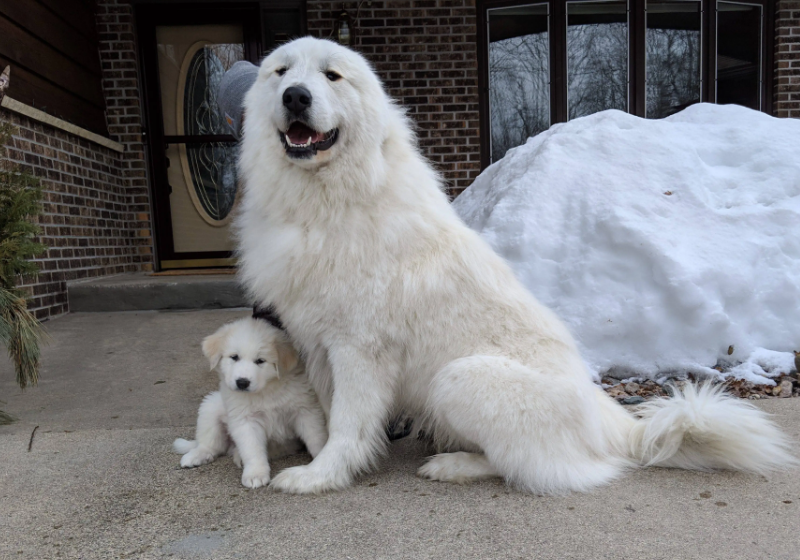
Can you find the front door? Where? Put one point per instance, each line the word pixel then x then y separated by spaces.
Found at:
pixel 186 49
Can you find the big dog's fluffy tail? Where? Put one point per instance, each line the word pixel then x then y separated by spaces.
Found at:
pixel 702 428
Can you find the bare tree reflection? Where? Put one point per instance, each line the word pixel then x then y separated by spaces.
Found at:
pixel 519 90
pixel 597 68
pixel 673 70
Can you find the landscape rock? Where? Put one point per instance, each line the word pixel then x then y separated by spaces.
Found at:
pixel 632 388
pixel 633 400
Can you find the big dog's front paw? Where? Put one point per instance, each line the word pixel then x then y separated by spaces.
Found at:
pixel 308 479
pixel 255 476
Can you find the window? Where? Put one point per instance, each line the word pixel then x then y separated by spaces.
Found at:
pixel 672 50
pixel 555 60
pixel 739 54
pixel 597 57
pixel 519 75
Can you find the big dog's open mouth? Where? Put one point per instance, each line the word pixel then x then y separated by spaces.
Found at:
pixel 301 141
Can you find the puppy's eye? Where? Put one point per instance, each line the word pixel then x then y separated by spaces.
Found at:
pixel 260 361
pixel 332 76
pixel 281 71
pixel 235 357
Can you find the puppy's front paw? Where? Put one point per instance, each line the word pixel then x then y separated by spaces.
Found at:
pixel 196 457
pixel 308 480
pixel 255 476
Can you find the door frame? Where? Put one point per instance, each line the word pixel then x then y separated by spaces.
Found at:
pixel 148 16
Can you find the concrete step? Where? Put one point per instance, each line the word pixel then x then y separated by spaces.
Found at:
pixel 142 291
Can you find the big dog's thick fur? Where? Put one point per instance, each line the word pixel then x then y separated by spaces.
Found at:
pixel 397 305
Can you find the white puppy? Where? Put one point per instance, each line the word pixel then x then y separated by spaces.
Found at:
pixel 264 396
pixel 397 305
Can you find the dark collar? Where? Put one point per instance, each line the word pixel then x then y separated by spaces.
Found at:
pixel 269 315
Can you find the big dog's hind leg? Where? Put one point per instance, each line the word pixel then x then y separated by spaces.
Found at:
pixel 542 432
pixel 459 467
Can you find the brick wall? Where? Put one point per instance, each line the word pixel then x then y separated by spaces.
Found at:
pixel 85 218
pixel 787 58
pixel 115 29
pixel 96 210
pixel 425 52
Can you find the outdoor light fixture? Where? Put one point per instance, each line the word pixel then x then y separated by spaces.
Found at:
pixel 343 29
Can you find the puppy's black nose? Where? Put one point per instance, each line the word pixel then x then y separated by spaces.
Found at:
pixel 242 384
pixel 296 99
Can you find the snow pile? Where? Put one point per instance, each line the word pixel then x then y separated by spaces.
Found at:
pixel 667 245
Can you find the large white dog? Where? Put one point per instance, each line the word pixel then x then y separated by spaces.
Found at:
pixel 397 305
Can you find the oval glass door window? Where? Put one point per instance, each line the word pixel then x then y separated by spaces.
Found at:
pixel 209 168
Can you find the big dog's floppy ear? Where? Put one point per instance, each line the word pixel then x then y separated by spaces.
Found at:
pixel 287 356
pixel 213 346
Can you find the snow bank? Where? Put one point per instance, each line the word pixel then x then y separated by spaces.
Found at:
pixel 666 245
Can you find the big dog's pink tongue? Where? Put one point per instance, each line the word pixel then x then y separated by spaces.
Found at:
pixel 299 133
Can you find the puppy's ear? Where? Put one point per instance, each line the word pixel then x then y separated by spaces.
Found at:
pixel 287 356
pixel 213 346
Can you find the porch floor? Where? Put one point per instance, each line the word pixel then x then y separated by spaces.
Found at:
pixel 100 480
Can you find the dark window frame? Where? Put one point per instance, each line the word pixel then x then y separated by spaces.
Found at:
pixel 636 58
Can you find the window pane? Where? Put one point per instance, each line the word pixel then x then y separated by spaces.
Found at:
pixel 519 84
pixel 597 57
pixel 191 62
pixel 739 54
pixel 673 56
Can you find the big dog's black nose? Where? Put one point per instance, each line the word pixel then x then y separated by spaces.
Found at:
pixel 296 99
pixel 242 383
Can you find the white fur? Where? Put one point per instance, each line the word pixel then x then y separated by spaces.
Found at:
pixel 397 305
pixel 701 428
pixel 277 407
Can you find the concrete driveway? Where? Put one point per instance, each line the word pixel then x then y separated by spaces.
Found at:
pixel 100 480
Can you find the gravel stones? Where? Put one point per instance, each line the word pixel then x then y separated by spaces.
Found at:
pixel 634 392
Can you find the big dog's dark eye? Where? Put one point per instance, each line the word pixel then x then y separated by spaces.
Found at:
pixel 281 71
pixel 332 76
pixel 260 361
pixel 235 357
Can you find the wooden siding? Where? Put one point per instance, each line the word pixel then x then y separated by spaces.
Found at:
pixel 51 46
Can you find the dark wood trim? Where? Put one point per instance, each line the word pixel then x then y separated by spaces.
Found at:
pixel 199 139
pixel 52 49
pixel 32 90
pixel 709 43
pixel 559 104
pixel 191 255
pixel 637 57
pixel 50 64
pixel 46 26
pixel 78 15
pixel 768 58
pixel 148 16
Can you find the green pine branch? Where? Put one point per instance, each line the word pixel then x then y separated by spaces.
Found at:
pixel 20 203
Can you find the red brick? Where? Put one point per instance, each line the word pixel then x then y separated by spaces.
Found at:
pixel 426 55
